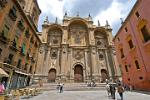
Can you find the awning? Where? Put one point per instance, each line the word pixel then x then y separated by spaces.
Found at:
pixel 3 73
pixel 19 72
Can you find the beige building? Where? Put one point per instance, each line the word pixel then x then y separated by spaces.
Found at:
pixel 75 51
pixel 19 42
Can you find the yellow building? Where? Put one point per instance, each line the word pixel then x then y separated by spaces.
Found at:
pixel 18 40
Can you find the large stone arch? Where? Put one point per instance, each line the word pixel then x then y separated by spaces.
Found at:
pixel 78 32
pixel 101 37
pixel 78 73
pixel 104 75
pixel 52 75
pixel 55 33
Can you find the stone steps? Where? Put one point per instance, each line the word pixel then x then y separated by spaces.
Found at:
pixel 72 86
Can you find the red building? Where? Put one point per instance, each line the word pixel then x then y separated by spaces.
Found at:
pixel 132 43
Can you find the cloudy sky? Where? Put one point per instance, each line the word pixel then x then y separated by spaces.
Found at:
pixel 102 10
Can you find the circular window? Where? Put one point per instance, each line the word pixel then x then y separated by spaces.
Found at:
pixel 99 43
pixel 101 56
pixel 55 41
pixel 54 54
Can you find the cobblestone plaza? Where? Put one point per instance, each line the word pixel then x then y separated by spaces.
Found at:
pixel 87 95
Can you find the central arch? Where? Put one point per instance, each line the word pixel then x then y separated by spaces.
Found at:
pixel 52 75
pixel 78 73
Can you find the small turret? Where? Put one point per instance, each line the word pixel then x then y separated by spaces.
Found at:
pixel 90 18
pixel 99 24
pixel 46 21
pixel 56 21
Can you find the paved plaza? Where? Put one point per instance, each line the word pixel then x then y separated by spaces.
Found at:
pixel 86 95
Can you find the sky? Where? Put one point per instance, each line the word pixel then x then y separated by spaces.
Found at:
pixel 102 10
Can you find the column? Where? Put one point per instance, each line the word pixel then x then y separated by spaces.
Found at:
pixel 64 62
pixel 107 63
pixel 94 64
pixel 87 67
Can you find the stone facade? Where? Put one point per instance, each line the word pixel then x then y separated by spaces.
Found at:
pixel 75 51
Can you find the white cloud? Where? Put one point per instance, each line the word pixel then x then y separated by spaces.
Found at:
pixel 55 7
pixel 113 14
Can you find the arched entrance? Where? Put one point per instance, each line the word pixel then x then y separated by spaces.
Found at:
pixel 78 73
pixel 52 75
pixel 104 75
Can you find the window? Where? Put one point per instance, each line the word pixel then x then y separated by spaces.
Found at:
pixel 5 31
pixel 145 33
pixel 137 14
pixel 141 78
pixel 55 41
pixel 126 30
pixel 15 42
pixel 27 33
pixel 128 79
pixel 122 54
pixel 0 51
pixel 19 63
pixel 137 64
pixel 10 57
pixel 13 13
pixel 21 24
pixel 130 44
pixel 3 3
pixel 118 39
pixel 30 69
pixel 101 56
pixel 23 48
pixel 126 68
pixel 99 43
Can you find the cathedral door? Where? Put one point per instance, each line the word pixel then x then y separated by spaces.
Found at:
pixel 52 75
pixel 104 75
pixel 78 73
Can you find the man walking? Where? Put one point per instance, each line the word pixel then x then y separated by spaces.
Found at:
pixel 120 90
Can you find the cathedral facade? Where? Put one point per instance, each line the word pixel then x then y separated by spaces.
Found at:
pixel 75 51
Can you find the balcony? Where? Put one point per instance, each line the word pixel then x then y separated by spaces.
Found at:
pixel 3 39
pixel 22 52
pixel 12 14
pixel 32 40
pixel 13 46
pixel 27 34
pixel 21 25
pixel 3 3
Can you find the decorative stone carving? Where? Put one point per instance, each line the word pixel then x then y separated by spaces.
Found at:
pixel 78 54
pixel 54 53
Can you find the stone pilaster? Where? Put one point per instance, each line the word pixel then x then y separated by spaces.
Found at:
pixel 87 67
pixel 107 64
pixel 94 64
pixel 64 62
pixel 91 37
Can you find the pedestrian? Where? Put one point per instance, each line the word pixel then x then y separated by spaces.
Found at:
pixel 120 91
pixel 108 89
pixel 112 90
pixel 2 88
pixel 61 88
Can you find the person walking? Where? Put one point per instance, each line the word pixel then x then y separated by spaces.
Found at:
pixel 120 90
pixel 2 88
pixel 108 89
pixel 113 91
pixel 61 88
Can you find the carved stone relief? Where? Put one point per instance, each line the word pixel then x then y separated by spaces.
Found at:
pixel 78 54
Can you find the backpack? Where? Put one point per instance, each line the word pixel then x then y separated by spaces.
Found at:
pixel 120 89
